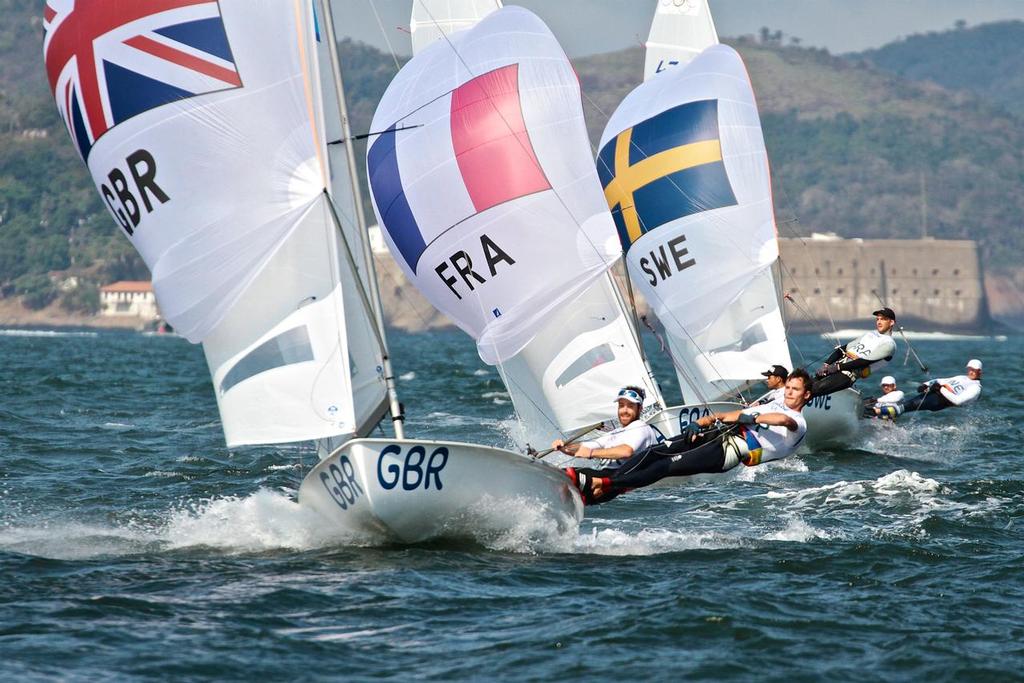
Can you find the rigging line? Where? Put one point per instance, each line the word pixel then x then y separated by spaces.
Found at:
pixel 681 370
pixel 387 40
pixel 817 277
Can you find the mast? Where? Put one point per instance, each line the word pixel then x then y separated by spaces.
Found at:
pixel 397 417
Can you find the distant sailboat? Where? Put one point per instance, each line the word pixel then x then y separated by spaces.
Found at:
pixel 208 128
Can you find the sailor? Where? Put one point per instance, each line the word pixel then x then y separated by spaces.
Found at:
pixel 759 434
pixel 939 394
pixel 775 378
pixel 890 394
pixel 617 445
pixel 858 358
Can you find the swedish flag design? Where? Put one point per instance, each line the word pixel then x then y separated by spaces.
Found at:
pixel 665 168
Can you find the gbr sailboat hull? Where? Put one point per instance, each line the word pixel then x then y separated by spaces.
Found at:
pixel 414 490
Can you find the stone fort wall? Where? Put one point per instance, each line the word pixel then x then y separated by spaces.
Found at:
pixel 931 284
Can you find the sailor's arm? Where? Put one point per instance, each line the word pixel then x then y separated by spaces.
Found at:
pixel 970 392
pixel 738 416
pixel 590 449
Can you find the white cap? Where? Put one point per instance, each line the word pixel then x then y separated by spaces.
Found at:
pixel 888 379
pixel 974 364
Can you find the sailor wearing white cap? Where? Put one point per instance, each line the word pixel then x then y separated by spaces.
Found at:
pixel 634 434
pixel 890 394
pixel 939 394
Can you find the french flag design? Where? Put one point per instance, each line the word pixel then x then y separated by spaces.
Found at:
pixel 473 142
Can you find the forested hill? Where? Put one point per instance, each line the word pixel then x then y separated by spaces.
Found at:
pixel 987 60
pixel 854 150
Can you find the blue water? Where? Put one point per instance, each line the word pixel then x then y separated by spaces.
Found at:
pixel 135 546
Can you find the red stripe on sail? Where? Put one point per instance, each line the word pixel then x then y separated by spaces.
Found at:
pixel 492 147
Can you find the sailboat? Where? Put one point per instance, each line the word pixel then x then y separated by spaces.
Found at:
pixel 216 134
pixel 685 171
pixel 584 347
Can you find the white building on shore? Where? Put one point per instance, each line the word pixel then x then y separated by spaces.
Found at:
pixel 129 298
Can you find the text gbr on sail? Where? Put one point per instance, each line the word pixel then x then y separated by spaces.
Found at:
pixel 122 202
pixel 664 264
pixel 462 262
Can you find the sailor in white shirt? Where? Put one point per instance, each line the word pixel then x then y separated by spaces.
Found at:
pixel 775 378
pixel 769 432
pixel 939 394
pixel 890 394
pixel 617 445
pixel 857 359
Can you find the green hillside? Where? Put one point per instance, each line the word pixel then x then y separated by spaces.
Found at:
pixel 850 145
pixel 986 60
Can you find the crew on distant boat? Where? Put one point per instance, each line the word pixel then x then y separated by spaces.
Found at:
pixel 938 394
pixel 633 436
pixel 857 359
pixel 756 435
pixel 775 378
pixel 890 394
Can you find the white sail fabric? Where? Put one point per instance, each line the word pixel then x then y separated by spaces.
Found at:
pixel 195 120
pixel 680 31
pixel 482 180
pixel 202 127
pixel 433 20
pixel 685 172
pixel 280 360
pixel 568 375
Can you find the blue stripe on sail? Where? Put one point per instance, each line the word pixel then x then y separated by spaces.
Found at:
pixel 204 34
pixel 78 123
pixel 620 227
pixel 606 162
pixel 389 194
pixel 132 93
pixel 683 193
pixel 675 127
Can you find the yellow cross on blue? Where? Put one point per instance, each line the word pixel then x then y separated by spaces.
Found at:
pixel 664 168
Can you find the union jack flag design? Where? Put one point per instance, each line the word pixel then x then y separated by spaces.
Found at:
pixel 109 60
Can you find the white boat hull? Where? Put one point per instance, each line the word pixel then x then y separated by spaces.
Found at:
pixel 414 490
pixel 832 419
pixel 669 422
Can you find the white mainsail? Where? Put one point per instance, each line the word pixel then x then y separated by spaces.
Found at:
pixel 680 31
pixel 203 132
pixel 685 171
pixel 433 20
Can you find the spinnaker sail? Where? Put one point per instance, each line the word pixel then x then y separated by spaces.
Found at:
pixel 685 171
pixel 204 134
pixel 482 182
pixel 680 31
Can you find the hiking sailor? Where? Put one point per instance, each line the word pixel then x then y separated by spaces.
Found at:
pixel 617 445
pixel 890 395
pixel 857 359
pixel 938 394
pixel 762 434
pixel 775 378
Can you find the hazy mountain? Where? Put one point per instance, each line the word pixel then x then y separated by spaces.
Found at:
pixel 854 149
pixel 987 60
